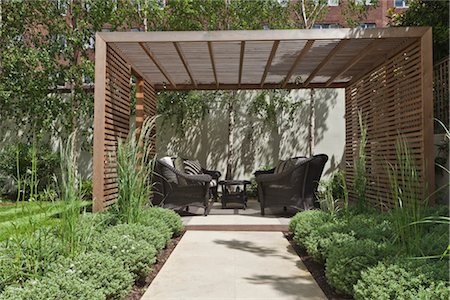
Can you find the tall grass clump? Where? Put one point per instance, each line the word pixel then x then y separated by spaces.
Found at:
pixel 360 179
pixel 70 194
pixel 406 195
pixel 135 160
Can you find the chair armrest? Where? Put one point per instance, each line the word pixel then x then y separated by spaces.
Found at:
pixel 213 173
pixel 261 172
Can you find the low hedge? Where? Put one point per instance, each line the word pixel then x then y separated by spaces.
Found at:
pixel 139 232
pixel 404 279
pixel 172 219
pixel 345 263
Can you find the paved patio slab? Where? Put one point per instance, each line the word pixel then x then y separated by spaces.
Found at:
pixel 233 265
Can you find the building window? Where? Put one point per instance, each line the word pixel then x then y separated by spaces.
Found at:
pixel 367 25
pixel 325 26
pixel 333 2
pixel 401 3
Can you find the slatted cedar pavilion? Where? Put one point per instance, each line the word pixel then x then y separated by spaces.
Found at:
pixel 386 72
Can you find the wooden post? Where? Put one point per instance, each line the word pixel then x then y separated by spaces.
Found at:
pixel 139 104
pixel 312 121
pixel 426 50
pixel 99 124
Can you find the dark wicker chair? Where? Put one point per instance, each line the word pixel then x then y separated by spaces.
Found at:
pixel 194 191
pixel 294 187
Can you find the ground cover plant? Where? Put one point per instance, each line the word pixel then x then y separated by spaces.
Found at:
pixel 58 250
pixel 373 254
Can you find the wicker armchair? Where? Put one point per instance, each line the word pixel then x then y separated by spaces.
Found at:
pixel 294 187
pixel 184 191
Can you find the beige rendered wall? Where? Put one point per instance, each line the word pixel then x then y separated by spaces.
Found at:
pixel 257 144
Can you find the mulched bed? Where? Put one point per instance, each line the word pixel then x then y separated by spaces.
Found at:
pixel 141 286
pixel 316 269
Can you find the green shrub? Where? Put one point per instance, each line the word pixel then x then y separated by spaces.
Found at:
pixel 303 223
pixel 345 263
pixel 137 255
pixel 54 288
pixel 97 221
pixel 403 279
pixel 375 226
pixel 320 241
pixel 141 232
pixel 172 219
pixel 102 271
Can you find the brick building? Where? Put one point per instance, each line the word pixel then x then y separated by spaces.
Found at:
pixel 376 17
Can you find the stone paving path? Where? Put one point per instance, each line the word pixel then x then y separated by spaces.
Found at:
pixel 233 265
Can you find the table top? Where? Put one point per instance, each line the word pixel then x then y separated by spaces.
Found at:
pixel 234 182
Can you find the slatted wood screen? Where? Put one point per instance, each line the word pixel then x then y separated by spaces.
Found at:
pixel 114 120
pixel 441 93
pixel 391 101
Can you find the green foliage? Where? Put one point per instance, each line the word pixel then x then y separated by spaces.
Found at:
pixel 360 179
pixel 427 13
pixel 405 188
pixel 47 163
pixel 86 189
pixel 134 168
pixel 169 217
pixel 136 255
pixel 403 279
pixel 55 287
pixel 106 274
pixel 345 263
pixel 304 223
pixel 139 232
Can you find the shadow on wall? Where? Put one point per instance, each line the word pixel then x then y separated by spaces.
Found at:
pixel 258 144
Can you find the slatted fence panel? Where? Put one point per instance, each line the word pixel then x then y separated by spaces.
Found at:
pixel 117 119
pixel 390 101
pixel 441 93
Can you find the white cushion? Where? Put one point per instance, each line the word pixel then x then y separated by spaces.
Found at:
pixel 168 160
pixel 213 183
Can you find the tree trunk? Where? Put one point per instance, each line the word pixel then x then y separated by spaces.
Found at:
pixel 312 121
pixel 230 154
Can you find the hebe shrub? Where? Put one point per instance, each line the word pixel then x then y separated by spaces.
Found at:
pixel 345 263
pixel 141 232
pixel 102 271
pixel 169 217
pixel 137 255
pixel 303 223
pixel 54 288
pixel 403 279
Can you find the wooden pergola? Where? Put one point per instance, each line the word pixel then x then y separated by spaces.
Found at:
pixel 387 75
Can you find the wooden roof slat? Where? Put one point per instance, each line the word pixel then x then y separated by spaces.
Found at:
pixel 353 61
pixel 185 63
pixel 330 55
pixel 158 64
pixel 302 53
pixel 269 61
pixel 213 64
pixel 241 62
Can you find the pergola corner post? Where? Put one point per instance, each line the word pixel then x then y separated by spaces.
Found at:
pixel 426 45
pixel 98 179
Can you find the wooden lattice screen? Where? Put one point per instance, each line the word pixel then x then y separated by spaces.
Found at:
pixel 441 93
pixel 395 98
pixel 112 118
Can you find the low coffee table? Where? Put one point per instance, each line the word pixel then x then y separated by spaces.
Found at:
pixel 234 191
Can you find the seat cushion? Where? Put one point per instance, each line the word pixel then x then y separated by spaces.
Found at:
pixel 179 166
pixel 213 183
pixel 192 167
pixel 168 174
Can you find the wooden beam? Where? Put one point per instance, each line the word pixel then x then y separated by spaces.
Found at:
pixel 426 59
pixel 185 63
pixel 353 61
pixel 158 64
pixel 263 35
pixel 241 62
pixel 139 104
pixel 302 53
pixel 245 86
pixel 269 61
pixel 211 56
pixel 98 159
pixel 381 61
pixel 330 55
